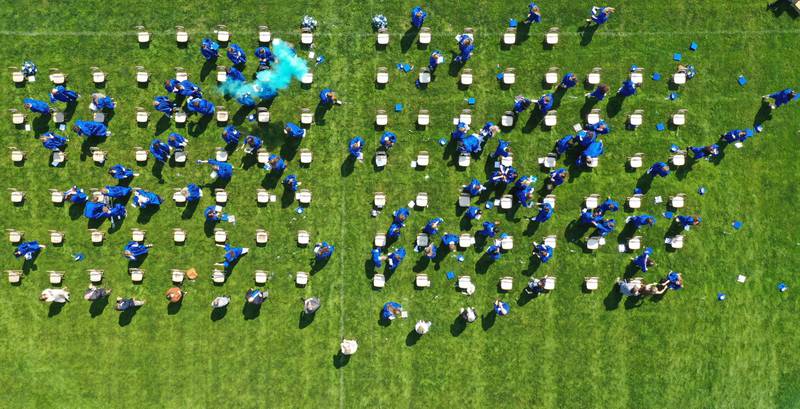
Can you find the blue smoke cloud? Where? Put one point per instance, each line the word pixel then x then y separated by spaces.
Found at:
pixel 268 82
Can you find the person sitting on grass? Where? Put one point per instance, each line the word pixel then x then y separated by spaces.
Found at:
pixel 201 106
pixel 432 227
pixel 450 241
pixel 474 188
pixel 355 147
pixel 124 304
pixel 294 131
pixel 76 195
pixel 28 250
pixel 176 141
pixel 545 213
pixel 391 310
pixel 221 301
pixel 557 177
pixel 493 252
pixel 311 305
pixel 599 93
pixel 255 296
pixel 160 150
pixel 418 16
pixel 641 220
pixel 36 106
pixel 569 80
pixel 215 214
pixel 91 129
pixel 687 70
pixel 101 102
pixel 436 59
pixel 394 231
pixel 489 130
pixel 489 228
pixel 275 164
pixel 61 94
pixel 468 314
pixel 630 288
pixel 236 54
pixel 521 103
pixel 430 251
pixel 252 144
pixel 688 221
pixel 53 142
pixel 545 103
pixel 55 295
pixel 628 88
pixel 704 152
pixel 144 199
pixel 606 226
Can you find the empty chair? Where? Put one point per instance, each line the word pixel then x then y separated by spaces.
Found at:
pixel 98 156
pixel 465 116
pixel 550 199
pixel 381 119
pixel 464 160
pixel 57 77
pixel 464 200
pixel 303 237
pixel 506 160
pixel 137 275
pixel 506 202
pixel 378 280
pixel 551 38
pixel 177 276
pixel 637 75
pixel 220 196
pixel 678 201
pixel 550 241
pixel 17 196
pixel 262 114
pixel 549 283
pixel 507 119
pixel 220 236
pixel 510 36
pixel 636 118
pixel 17 76
pixel 593 117
pixel 14 276
pixel 98 76
pixel 306 36
pixel 382 76
pixel 592 201
pixel 262 196
pixel 593 78
pixel 307 78
pixel 380 239
pixel 222 114
pixel 260 277
pixel 466 240
pixel 95 276
pixel 381 159
pixel 56 277
pixel 179 197
pixel 551 77
pixel 423 159
pixel 635 201
pixel 221 154
pixel 97 236
pixel 179 236
pixel 181 74
pixel 595 242
pixel 17 117
pixel 137 235
pixel 58 116
pixel 507 243
pixel 506 283
pixel 56 237
pixel 99 117
pixel 303 196
pixel 679 78
pixel 379 200
pixel 548 161
pixel 142 116
pixel 676 242
pixel 179 157
pixel 56 196
pixel 423 117
pixel 421 200
pixel 222 75
pixel 551 118
pixel 142 76
pixel 262 156
pixel 180 117
pixel 422 281
pixel 466 76
pixel 591 283
pixel 142 35
pixel 306 116
pixel 636 161
pixel 223 35
pixel 17 156
pixel 635 243
pixel 509 76
pixel 218 277
pixel 181 35
pixel 306 156
pixel 424 76
pixel 264 34
pixel 301 278
pixel 679 118
pixel 678 159
pixel 140 154
pixel 425 35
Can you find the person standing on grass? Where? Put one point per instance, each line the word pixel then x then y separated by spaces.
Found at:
pixel 220 170
pixel 328 98
pixel 641 220
pixel 232 255
pixel 76 195
pixel 493 252
pixel 599 93
pixel 542 251
pixel 556 178
pixel 355 147
pixel 209 49
pixel 465 47
pixel 53 142
pixel 468 314
pixel 489 229
pixel 388 139
pixel 430 251
pixel 174 295
pixel 215 214
pixel 704 152
pixel 187 89
pixel 474 188
pixel 418 16
pixel 177 141
pixel 501 308
pixel 230 135
pixel 394 258
pixel 61 94
pixel 545 213
pixel 504 175
pixel 643 261
pixel 201 106
pixel 252 144
pixel 432 227
pixel 144 199
pixel 291 183
pixel 95 293
pixel 394 231
pixel 521 103
pixel 164 105
pixel 422 327
pixel 221 301
pixel 255 296
pixel 534 14
pixel 294 131
pixel 659 169
pixel 275 164
pixel 90 129
pixel 600 15
pixel 311 305
pixel 236 54
pixel 265 57
pixel 28 250
pixel 377 258
pixel 545 103
pixel 391 310
pixel 470 144
pixel 627 89
pixel 473 213
pixel 55 295
pixel 568 81
pixel 102 102
pixel 779 98
pixel 436 59
pixel 323 251
pixel 192 192
pixel 36 106
pixel 450 241
pixel 134 250
pixel 160 150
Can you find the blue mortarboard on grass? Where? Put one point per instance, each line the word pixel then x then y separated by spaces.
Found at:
pixel 489 205
pixel 471 101
pixel 737 224
pixel 782 287
pixel 674 148
pixel 407 67
pixel 668 215
pixel 796 97
pixel 672 96
pixel 78 256
pixel 299 210
pixel 693 46
pixel 701 190
pixel 442 141
pixel 398 107
pixel 500 76
pixel 660 126
pixel 512 22
pixel 637 190
pixel 677 56
pixel 759 128
pixel 460 258
pixel 721 296
pixel 749 132
pixel 742 80
pixel 656 76
pixel 451 275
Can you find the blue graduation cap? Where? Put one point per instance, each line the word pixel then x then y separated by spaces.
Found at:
pixel 78 256
pixel 677 56
pixel 668 215
pixel 471 101
pixel 660 126
pixel 512 22
pixel 721 296
pixel 749 132
pixel 759 128
pixel 693 46
pixel 398 107
pixel 742 80
pixel 460 258
pixel 737 224
pixel 442 141
pixel 299 210
pixel 451 275
pixel 407 67
pixel 674 148
pixel 701 190
pixel 673 96
pixel 656 76
pixel 782 287
pixel 500 76
pixel 637 190
pixel 489 204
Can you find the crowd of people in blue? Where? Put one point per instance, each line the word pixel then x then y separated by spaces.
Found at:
pixel 587 143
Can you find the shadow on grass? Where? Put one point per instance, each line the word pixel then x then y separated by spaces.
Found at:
pixel 306 319
pixel 97 307
pixel 412 338
pixel 219 313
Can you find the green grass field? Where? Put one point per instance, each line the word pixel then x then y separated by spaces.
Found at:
pixel 564 349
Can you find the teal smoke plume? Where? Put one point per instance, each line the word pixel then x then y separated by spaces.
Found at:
pixel 287 66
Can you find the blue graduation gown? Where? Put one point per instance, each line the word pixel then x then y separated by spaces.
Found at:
pixel 105 103
pixel 460 132
pixel 474 187
pixel 235 75
pixel 386 313
pixel 164 105
pixel 209 49
pixel 187 88
pixel 523 196
pixel 355 146
pixel 641 261
pixel 628 88
pixel 609 205
pixel 473 212
pixel 521 105
pixel 673 279
pixel 294 130
pixel 134 250
pixel 177 141
pixel 37 106
pixel 376 258
pixel 201 106
pixel 236 54
pixel 594 150
pixel 117 192
pixel 54 142
pixel 418 17
pixel 600 128
pixel 433 61
pixel 172 86
pixel 449 239
pixel 231 135
pixel 433 253
pixel 224 169
pixel 557 176
pixel 465 50
pixel 394 230
pixel 544 252
pixel 588 218
pixel 599 17
pixel 290 182
pixel 264 55
pixel 659 168
pixel 91 129
pixel 545 213
pixel 395 258
pixel 503 309
pixel 324 255
pixel 27 249
pixel 324 98
pixel 487 132
pixel 432 227
pixel 585 138
pixel 211 214
pixel 606 226
pixel 470 144
pixel 145 199
pixel 494 252
pixel 93 210
pixel 160 150
pixel 598 94
pixel 194 192
pixel 120 172
pixel 117 212
pixel 276 164
pixel 534 14
pixel 686 220
pixel 503 149
pixel 642 220
pixel 489 229
pixel 253 142
pixel 782 97
pixel 545 103
pixel 401 214
pixel 736 135
pixel 563 144
pixel 78 196
pixel 569 80
pixel 232 254
pixel 62 94
pixel 388 139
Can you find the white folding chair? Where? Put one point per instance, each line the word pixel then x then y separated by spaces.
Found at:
pixel 98 76
pixel 181 74
pixel 220 236
pixel 17 196
pixel 178 276
pixel 551 118
pixel 507 243
pixel 380 240
pixel 506 284
pixel 637 76
pixel 422 281
pixel 306 37
pixel 307 78
pixel 306 116
pixel 466 240
pixel 17 76
pixel 57 77
pixel 382 37
pixel 17 117
pixel 381 159
pixel 593 117
pixel 17 156
pixel 551 38
pixel 381 119
pixel 465 116
pixel 137 275
pixel 378 280
pixel 379 200
pixel 142 35
pixel 506 202
pixel 218 277
pixel 548 161
pixel 425 35
pixel 179 236
pixel 56 277
pixel 56 237
pixel 422 240
pixel 593 78
pixel 260 277
pixel 262 115
pixel 264 35
pixel 221 154
pixel 421 200
pixel 464 159
pixel 180 117
pixel 678 159
pixel 97 236
pixel 181 35
pixel 220 196
pixel 591 283
pixel 594 242
pixel 142 76
pixel 262 237
pixel 56 196
pixel 137 235
pixel 551 200
pixel 551 77
pixel 510 36
pixel 95 276
pixel 635 243
pixel 142 116
pixel 592 201
pixel 98 156
pixel 509 76
pixel 423 117
pixel 679 118
pixel 676 242
pixel 636 118
pixel 635 201
pixel 507 119
pixel 140 154
pixel 549 283
pixel 550 241
pixel 464 200
pixel 223 35
pixel 466 76
pixel 303 238
pixel 222 114
pixel 678 201
pixel 636 161
pixel 14 276
pixel 679 78
pixel 303 196
pixel 423 159
pixel 382 76
pixel 301 278
pixel 465 283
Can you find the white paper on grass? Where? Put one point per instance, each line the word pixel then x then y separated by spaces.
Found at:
pixel 413 164
pixel 668 240
pixel 741 278
pixel 659 199
pixel 411 203
pixel 621 248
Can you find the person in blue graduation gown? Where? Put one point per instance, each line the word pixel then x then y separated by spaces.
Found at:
pixel 460 132
pixel 780 98
pixel 600 15
pixel 61 94
pixel 450 241
pixel 177 141
pixel 418 17
pixel 400 215
pixel 323 251
pixel 659 169
pixel 545 213
pixel 201 106
pixel 34 105
pixel 592 151
pixel 494 252
pixel 609 205
pixel 465 47
pixel 102 102
pixel 568 81
pixel 504 175
pixel 172 86
pixel 469 144
pixel 388 139
pixel 562 145
pixel 643 261
pixel 556 178
pixel 534 14
pixel 116 192
pixel 187 88
pixel 394 231
pixel 134 250
pixel 396 257
pixel 76 195
pixel 503 149
pixel 521 103
pixel 291 183
pixel 144 199
pixel 432 227
pixel 192 192
pixel 436 59
pixel 236 54
pixel 328 98
pixel 543 252
pixel 501 308
pixel 431 251
pixel 391 310
pixel 587 217
pixel 53 142
pixel 265 57
pixel 642 220
pixel 294 131
pixel 473 213
pixel 90 129
pixel 489 130
pixel 674 281
pixel 599 128
pixel 701 152
pixel 231 135
pixel 606 226
pixel 688 221
pixel 209 49
pixel 474 188
pixel 355 147
pixel 28 250
pixel 214 213
pixel 377 258
pixel 599 93
pixel 220 170
pixel 94 210
pixel 489 229
pixel 585 138
pixel 252 144
pixel 545 103
pixel 525 196
pixel 160 150
pixel 275 164
pixel 232 255
pixel 736 135
pixel 164 105
pixel 116 213
pixel 627 89
pixel 234 75
pixel 120 172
